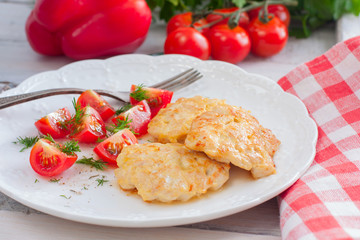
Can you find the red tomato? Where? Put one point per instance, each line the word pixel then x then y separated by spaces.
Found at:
pixel 278 10
pixel 188 41
pixel 156 98
pixel 94 100
pixel 48 160
pixel 110 149
pixel 269 38
pixel 184 20
pixel 139 115
pixel 91 127
pixel 54 123
pixel 229 45
pixel 243 21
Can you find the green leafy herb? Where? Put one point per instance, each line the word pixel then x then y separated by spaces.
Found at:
pixel 310 15
pixel 69 147
pixel 27 142
pixel 123 109
pixel 54 180
pixel 98 164
pixel 36 180
pixel 79 113
pixel 99 140
pixel 101 181
pixel 65 196
pixel 120 125
pixel 140 93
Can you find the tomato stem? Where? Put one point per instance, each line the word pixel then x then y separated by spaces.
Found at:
pixel 236 15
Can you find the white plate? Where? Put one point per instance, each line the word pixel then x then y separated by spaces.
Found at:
pixel 107 205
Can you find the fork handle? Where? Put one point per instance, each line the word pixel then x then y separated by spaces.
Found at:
pixel 26 97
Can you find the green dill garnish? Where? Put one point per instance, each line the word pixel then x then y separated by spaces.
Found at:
pixel 98 164
pixel 36 180
pixel 101 181
pixel 140 93
pixel 49 137
pixel 99 140
pixel 79 113
pixel 54 180
pixel 26 141
pixel 120 125
pixel 69 147
pixel 123 109
pixel 85 188
pixel 65 196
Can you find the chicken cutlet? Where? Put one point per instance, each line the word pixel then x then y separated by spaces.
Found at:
pixel 168 172
pixel 231 134
pixel 172 123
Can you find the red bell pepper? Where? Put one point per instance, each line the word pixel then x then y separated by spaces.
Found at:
pixel 82 29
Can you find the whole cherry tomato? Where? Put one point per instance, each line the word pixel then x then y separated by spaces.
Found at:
pixel 184 20
pixel 188 41
pixel 229 45
pixel 278 10
pixel 269 38
pixel 243 20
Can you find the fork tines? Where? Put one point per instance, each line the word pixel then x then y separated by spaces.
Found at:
pixel 180 81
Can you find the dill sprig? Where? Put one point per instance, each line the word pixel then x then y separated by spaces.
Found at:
pixel 26 141
pixel 140 93
pixel 120 125
pixel 69 147
pixel 101 181
pixel 98 164
pixel 123 109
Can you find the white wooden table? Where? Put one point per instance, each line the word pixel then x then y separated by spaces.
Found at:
pixel 18 62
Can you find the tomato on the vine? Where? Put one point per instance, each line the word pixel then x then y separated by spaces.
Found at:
pixel 268 38
pixel 216 16
pixel 185 20
pixel 278 10
pixel 229 45
pixel 188 41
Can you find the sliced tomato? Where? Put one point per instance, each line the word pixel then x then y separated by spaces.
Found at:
pixel 47 160
pixel 156 98
pixel 139 115
pixel 91 127
pixel 54 123
pixel 94 100
pixel 109 149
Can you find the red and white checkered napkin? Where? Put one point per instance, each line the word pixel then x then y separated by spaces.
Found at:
pixel 325 202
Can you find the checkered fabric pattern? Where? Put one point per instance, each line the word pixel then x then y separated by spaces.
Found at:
pixel 325 202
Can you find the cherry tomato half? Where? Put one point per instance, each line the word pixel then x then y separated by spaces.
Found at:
pixel 54 123
pixel 156 98
pixel 243 20
pixel 188 41
pixel 229 45
pixel 91 127
pixel 48 160
pixel 278 10
pixel 94 100
pixel 185 20
pixel 269 38
pixel 110 149
pixel 139 115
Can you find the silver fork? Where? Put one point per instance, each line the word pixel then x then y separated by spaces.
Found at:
pixel 174 83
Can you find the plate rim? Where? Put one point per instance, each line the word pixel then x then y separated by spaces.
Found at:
pixel 184 220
